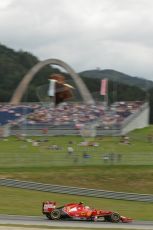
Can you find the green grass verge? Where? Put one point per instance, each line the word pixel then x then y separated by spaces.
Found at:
pixel 137 179
pixel 27 202
pixel 134 173
pixel 16 153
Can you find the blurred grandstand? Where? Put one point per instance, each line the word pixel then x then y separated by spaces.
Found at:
pixel 71 118
pixel 64 112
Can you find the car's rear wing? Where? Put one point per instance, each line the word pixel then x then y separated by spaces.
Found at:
pixel 48 206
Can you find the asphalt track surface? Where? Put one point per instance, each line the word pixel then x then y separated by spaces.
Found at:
pixel 42 221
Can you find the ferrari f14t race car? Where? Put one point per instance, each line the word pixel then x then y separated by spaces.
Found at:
pixel 79 211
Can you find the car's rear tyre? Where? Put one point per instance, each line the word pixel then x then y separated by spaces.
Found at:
pixel 55 214
pixel 48 216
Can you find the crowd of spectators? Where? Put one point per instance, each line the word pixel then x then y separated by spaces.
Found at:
pixel 10 113
pixel 118 112
pixel 74 115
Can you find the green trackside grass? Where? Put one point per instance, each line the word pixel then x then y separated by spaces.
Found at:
pixel 137 179
pixel 133 173
pixel 15 153
pixel 28 202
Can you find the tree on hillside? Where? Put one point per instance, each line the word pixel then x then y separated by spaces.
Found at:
pixel 13 66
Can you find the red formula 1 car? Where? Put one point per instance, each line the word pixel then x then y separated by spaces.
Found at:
pixel 79 211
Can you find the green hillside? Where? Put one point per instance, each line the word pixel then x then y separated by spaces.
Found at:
pixel 13 66
pixel 118 77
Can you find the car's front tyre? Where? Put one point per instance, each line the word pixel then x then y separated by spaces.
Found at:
pixel 114 217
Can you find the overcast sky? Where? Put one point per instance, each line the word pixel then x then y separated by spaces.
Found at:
pixel 86 34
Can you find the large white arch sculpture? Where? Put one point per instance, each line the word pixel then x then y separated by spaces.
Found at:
pixel 22 87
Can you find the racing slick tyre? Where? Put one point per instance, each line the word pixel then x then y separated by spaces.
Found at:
pixel 115 217
pixel 55 214
pixel 48 216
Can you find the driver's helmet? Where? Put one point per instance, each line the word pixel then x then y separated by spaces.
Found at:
pixel 80 202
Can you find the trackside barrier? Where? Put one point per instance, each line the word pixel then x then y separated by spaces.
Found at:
pixel 76 191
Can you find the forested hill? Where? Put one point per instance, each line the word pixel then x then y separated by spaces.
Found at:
pixel 118 77
pixel 13 66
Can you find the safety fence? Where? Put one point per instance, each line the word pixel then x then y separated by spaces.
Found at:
pixel 43 156
pixel 76 191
